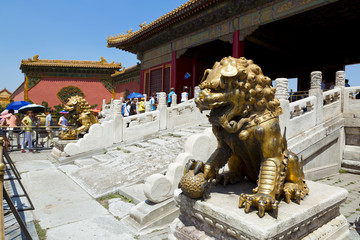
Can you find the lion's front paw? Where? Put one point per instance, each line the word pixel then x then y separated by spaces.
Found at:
pixel 262 201
pixel 195 183
pixel 295 191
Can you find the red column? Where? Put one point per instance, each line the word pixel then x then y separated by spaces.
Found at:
pixel 194 60
pixel 236 47
pixel 142 81
pixel 173 69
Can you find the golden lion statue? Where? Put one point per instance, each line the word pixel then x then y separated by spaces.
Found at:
pixel 244 117
pixel 80 111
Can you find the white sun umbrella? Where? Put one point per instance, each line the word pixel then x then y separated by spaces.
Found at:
pixel 32 107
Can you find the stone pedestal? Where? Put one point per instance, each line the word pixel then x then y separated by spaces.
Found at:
pixel 58 149
pixel 317 217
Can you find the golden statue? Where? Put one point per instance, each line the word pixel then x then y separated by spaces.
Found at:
pixel 244 117
pixel 80 111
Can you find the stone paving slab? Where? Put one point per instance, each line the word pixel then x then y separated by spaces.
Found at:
pixel 119 208
pixel 132 149
pixel 351 207
pixel 158 141
pixel 181 134
pixel 85 162
pixel 143 144
pixel 33 165
pixel 13 230
pixel 58 200
pixel 103 227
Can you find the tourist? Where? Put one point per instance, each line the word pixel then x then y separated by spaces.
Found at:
pixel 347 83
pixel 27 122
pixel 153 102
pixel 48 127
pixel 4 131
pixel 323 84
pixel 34 131
pixel 185 94
pixel 63 122
pixel 133 107
pixel 142 105
pixel 172 91
pixel 123 107
pixel 11 123
pixel 127 109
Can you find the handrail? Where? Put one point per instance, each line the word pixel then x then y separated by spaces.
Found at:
pixel 2 172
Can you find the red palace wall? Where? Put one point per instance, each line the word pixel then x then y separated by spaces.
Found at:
pixel 19 94
pixel 132 86
pixel 48 87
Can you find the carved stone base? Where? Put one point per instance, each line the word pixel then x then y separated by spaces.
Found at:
pixel 58 149
pixel 317 217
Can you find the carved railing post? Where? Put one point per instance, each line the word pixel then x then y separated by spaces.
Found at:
pixel 163 110
pixel 103 105
pixel 315 90
pixel 340 83
pixel 281 85
pixel 118 121
pixel 173 100
pixel 340 79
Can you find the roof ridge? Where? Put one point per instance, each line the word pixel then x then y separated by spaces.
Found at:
pixel 143 27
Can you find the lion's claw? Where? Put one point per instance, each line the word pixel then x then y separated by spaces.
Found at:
pixel 189 165
pixel 294 191
pixel 262 201
pixel 199 167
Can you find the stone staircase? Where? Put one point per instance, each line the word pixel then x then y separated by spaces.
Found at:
pixel 351 159
pixel 124 167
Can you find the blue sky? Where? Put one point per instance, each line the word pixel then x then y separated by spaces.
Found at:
pixel 69 30
pixel 77 30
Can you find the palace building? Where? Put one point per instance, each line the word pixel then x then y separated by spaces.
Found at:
pixel 5 97
pixel 286 38
pixel 54 81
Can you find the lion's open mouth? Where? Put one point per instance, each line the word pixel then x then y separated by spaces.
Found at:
pixel 218 109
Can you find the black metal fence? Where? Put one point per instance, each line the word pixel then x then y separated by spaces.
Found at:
pixel 41 137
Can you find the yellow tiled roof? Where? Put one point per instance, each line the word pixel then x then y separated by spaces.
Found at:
pixel 35 61
pixel 181 12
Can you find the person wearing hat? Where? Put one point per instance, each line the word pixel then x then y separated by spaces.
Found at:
pixel 12 122
pixel 142 105
pixel 63 122
pixel 172 91
pixel 27 122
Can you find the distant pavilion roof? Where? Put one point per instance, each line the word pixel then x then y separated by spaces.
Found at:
pixel 126 70
pixel 159 24
pixel 36 62
pixel 5 90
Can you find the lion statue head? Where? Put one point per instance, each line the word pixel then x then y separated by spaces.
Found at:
pixel 236 91
pixel 76 105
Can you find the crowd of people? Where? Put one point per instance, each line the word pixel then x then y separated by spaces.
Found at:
pixel 132 106
pixel 13 125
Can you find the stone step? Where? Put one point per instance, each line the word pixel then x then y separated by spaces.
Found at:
pixel 158 141
pixel 102 157
pixel 352 152
pixel 349 170
pixel 85 162
pixel 350 164
pixel 181 134
pixel 143 144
